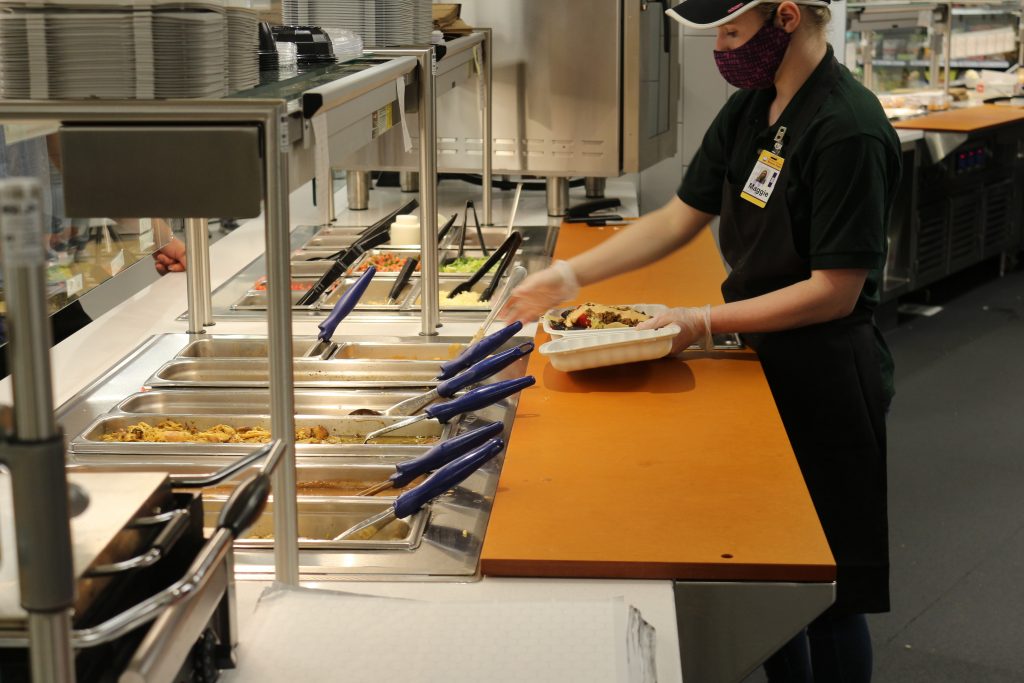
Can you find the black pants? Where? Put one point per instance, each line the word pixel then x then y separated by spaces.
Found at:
pixel 832 649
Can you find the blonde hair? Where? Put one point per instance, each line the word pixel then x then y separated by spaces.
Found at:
pixel 819 16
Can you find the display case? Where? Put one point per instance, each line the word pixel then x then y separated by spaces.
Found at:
pixel 913 52
pixel 82 252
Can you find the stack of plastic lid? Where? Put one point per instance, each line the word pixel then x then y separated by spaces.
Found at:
pixel 347 44
pixel 243 43
pixel 121 49
pixel 380 23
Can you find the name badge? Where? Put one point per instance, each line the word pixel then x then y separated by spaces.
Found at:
pixel 761 183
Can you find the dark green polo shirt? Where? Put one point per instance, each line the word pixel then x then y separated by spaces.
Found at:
pixel 843 172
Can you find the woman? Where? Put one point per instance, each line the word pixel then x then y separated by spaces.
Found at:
pixel 806 248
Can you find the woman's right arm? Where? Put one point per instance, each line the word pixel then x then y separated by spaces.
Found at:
pixel 650 238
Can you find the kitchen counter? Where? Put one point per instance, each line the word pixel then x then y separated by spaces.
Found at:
pixel 671 469
pixel 965 120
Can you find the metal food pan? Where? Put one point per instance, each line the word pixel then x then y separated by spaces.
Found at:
pixel 373 298
pixel 309 270
pixel 256 300
pixel 450 284
pixel 437 352
pixel 314 254
pixel 321 519
pixel 239 347
pixel 325 476
pixel 351 429
pixel 309 372
pixel 254 402
pixel 335 236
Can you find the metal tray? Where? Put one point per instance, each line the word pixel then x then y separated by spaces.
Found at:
pixel 449 284
pixel 256 300
pixel 335 237
pixel 309 372
pixel 446 348
pixel 321 519
pixel 90 441
pixel 254 402
pixel 373 298
pixel 326 476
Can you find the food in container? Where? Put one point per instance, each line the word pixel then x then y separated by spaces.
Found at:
pixel 169 431
pixel 463 299
pixel 464 264
pixel 591 316
pixel 297 285
pixel 385 262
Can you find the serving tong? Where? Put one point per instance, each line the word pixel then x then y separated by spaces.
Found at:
pixel 505 253
pixel 371 238
pixel 324 347
pixel 411 501
pixel 475 374
pixel 438 456
pixel 518 275
pixel 474 399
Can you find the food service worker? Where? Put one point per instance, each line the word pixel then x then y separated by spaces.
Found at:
pixel 802 165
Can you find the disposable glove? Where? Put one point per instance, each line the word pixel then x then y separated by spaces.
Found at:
pixel 694 323
pixel 541 291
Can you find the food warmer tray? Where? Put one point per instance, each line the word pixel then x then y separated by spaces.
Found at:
pixel 407 439
pixel 255 401
pixel 388 348
pixel 309 372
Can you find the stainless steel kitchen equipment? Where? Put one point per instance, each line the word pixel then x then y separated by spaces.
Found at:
pixel 595 102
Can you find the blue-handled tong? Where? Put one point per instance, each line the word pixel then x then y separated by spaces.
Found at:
pixel 481 397
pixel 324 347
pixel 412 500
pixel 438 456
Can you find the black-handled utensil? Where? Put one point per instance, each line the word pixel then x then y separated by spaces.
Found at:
pixel 402 280
pixel 463 287
pixel 323 347
pixel 412 500
pixel 374 236
pixel 516 240
pixel 438 456
pixel 245 505
pixel 446 228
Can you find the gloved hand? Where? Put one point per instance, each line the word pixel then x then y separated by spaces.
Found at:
pixel 694 323
pixel 541 291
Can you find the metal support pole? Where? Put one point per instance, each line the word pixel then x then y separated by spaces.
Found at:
pixel 330 211
pixel 487 133
pixel 194 273
pixel 35 455
pixel 867 46
pixel 279 332
pixel 558 196
pixel 431 318
pixel 595 187
pixel 358 188
pixel 203 261
pixel 409 181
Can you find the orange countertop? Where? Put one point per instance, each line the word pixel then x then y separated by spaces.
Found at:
pixel 666 469
pixel 965 120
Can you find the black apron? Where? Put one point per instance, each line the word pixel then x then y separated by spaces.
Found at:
pixel 826 380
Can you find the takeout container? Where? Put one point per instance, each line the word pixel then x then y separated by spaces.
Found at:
pixel 602 348
pixel 649 309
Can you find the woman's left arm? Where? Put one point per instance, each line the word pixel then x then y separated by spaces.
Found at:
pixel 826 295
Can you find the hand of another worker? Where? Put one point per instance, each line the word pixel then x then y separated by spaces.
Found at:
pixel 694 324
pixel 541 291
pixel 170 258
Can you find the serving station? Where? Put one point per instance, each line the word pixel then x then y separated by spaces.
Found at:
pixel 298 390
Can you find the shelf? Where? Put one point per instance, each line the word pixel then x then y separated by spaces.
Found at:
pixel 955 64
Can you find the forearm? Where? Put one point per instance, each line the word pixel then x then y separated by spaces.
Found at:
pixel 826 295
pixel 652 237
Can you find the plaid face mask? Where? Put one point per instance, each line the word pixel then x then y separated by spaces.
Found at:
pixel 752 66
